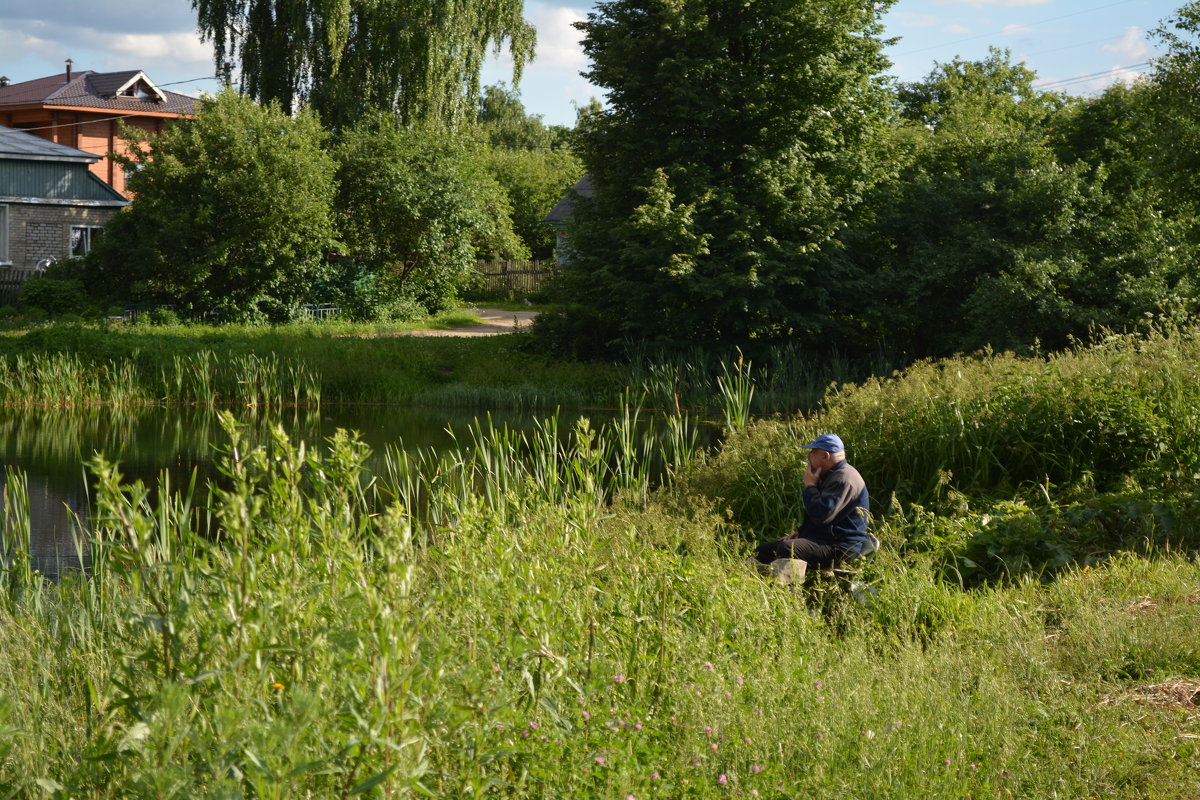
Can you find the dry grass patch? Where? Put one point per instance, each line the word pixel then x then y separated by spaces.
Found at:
pixel 1148 605
pixel 1180 693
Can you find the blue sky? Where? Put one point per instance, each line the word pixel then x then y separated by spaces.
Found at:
pixel 1078 45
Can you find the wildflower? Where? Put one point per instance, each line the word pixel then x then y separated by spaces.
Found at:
pixel 579 701
pixel 525 734
pixel 708 665
pixel 758 711
pixel 699 693
pixel 946 762
pixel 973 767
pixel 654 775
pixel 896 725
pixel 599 760
pixel 819 684
pixel 714 747
pixel 708 730
pixel 586 715
pixel 277 686
pixel 729 694
pixel 630 797
pixel 637 726
pixel 755 768
pixel 618 678
pixel 722 780
pixel 739 680
pixel 533 726
pixel 820 737
pixel 495 668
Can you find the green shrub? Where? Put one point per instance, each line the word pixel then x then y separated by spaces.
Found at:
pixel 52 296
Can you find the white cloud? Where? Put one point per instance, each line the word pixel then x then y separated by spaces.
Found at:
pixel 180 46
pixel 1079 86
pixel 26 45
pixel 1130 47
pixel 957 29
pixel 558 44
pixel 1015 30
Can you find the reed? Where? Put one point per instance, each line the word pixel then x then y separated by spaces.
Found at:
pixel 521 617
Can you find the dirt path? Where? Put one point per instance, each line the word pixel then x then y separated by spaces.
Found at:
pixel 493 321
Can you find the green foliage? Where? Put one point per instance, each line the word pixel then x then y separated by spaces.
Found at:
pixel 530 161
pixel 328 362
pixel 1008 236
pixel 1175 84
pixel 999 465
pixel 517 636
pixel 53 296
pixel 348 58
pixel 415 207
pixel 232 216
pixel 737 137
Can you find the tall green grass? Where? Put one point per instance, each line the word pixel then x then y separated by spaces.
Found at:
pixel 524 617
pixel 79 365
pixel 1001 464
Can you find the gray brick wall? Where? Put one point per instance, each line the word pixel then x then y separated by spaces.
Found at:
pixel 38 231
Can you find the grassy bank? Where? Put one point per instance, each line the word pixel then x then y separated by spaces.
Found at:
pixel 548 626
pixel 82 365
pixel 74 364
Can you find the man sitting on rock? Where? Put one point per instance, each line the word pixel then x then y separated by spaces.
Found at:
pixel 835 512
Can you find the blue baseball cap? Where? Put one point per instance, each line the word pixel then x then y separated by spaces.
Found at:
pixel 829 442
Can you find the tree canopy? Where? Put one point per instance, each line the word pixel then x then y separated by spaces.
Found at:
pixel 232 215
pixel 736 137
pixel 418 58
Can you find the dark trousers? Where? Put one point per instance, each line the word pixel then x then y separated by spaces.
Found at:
pixel 819 555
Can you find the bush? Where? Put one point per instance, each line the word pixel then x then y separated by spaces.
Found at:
pixel 52 296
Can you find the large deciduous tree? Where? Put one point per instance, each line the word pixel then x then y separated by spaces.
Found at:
pixel 415 208
pixel 419 58
pixel 1016 216
pixel 232 215
pixel 737 135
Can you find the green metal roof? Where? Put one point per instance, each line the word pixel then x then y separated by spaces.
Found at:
pixel 34 170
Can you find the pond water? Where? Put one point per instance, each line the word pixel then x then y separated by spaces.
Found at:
pixel 51 447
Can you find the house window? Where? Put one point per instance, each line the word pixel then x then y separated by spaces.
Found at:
pixel 82 238
pixel 4 234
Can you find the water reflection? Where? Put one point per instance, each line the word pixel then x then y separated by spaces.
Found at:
pixel 51 447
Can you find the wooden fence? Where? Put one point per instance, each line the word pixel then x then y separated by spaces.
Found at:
pixel 519 278
pixel 11 279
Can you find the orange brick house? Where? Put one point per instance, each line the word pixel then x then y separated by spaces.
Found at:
pixel 83 110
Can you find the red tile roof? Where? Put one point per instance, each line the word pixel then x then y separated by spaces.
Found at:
pixel 97 90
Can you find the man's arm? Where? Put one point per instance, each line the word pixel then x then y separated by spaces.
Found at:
pixel 822 504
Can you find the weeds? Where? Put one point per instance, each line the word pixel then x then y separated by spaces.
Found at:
pixel 524 616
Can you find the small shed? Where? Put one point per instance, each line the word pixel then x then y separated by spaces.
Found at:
pixel 563 212
pixel 51 205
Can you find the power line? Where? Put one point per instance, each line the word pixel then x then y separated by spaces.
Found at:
pixel 1058 84
pixel 84 122
pixel 1001 31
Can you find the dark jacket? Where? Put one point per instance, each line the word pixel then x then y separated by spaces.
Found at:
pixel 836 509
